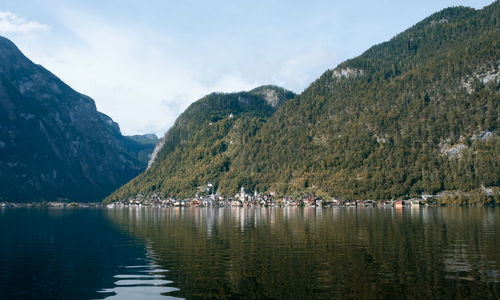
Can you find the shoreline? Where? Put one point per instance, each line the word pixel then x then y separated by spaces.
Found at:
pixel 120 206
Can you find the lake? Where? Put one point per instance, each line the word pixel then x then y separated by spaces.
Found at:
pixel 249 253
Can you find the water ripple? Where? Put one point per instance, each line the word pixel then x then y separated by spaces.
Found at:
pixel 139 282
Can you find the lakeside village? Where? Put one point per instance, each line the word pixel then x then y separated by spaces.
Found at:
pixel 247 199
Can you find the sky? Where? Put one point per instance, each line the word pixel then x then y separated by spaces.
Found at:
pixel 144 61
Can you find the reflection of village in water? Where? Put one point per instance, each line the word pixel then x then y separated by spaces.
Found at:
pixel 251 218
pixel 351 228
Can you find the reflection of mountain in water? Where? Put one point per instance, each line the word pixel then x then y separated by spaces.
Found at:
pixel 319 253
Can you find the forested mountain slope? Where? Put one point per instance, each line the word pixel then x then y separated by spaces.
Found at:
pixel 417 114
pixel 203 142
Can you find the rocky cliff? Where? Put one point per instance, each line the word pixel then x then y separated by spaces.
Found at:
pixel 54 144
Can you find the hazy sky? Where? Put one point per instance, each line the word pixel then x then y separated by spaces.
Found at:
pixel 144 62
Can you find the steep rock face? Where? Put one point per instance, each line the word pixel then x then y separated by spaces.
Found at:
pixel 54 144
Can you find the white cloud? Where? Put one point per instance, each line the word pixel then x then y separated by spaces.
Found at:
pixel 144 64
pixel 140 78
pixel 12 24
pixel 298 71
pixel 144 78
pixel 135 76
pixel 233 82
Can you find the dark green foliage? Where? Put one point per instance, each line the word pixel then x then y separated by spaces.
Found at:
pixel 378 126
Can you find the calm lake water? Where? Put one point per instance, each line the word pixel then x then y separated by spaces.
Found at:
pixel 246 253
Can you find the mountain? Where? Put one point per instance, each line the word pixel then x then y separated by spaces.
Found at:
pixel 142 145
pixel 416 114
pixel 54 144
pixel 144 139
pixel 200 146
